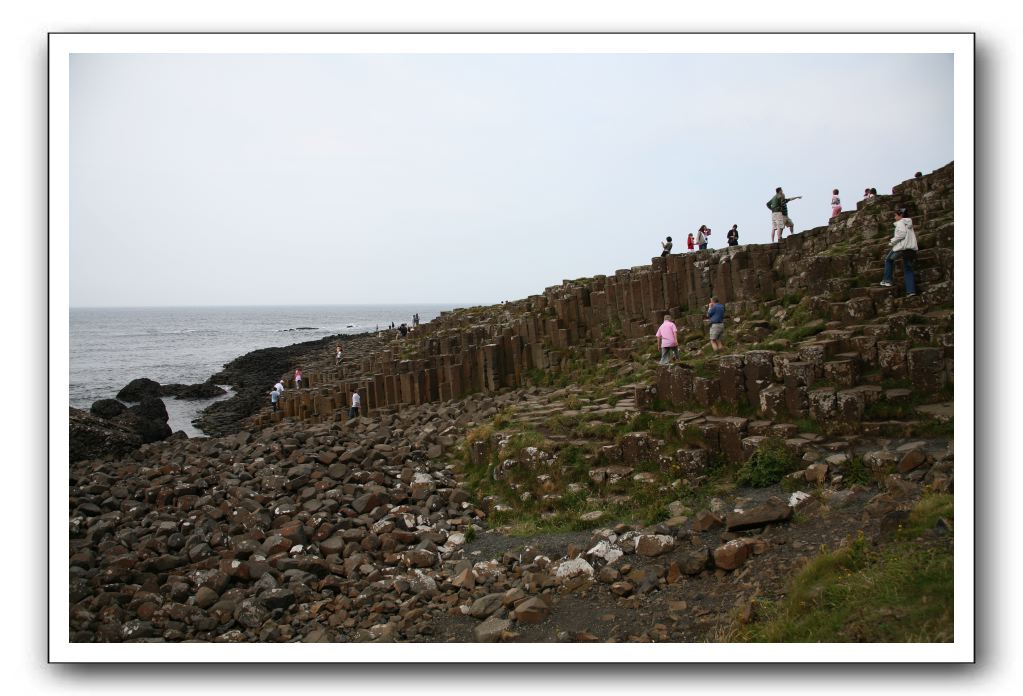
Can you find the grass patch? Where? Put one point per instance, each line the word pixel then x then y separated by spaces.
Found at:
pixel 901 592
pixel 768 465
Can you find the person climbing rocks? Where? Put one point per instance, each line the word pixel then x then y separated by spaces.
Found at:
pixel 733 236
pixel 666 246
pixel 337 355
pixel 356 402
pixel 279 387
pixel 689 242
pixel 701 236
pixel 716 314
pixel 667 339
pixel 836 203
pixel 274 398
pixel 298 378
pixel 779 206
pixel 903 243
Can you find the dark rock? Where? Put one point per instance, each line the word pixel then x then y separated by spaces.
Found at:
pixel 95 438
pixel 205 390
pixel 107 408
pixel 138 389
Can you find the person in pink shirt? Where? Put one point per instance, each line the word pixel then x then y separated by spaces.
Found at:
pixel 298 378
pixel 667 339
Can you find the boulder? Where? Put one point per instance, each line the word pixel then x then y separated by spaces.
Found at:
pixel 138 389
pixel 490 631
pixel 654 544
pixel 773 510
pixel 95 438
pixel 205 390
pixel 733 554
pixel 107 408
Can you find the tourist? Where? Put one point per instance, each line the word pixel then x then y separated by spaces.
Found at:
pixel 298 378
pixel 836 203
pixel 356 402
pixel 690 242
pixel 337 356
pixel 779 206
pixel 403 330
pixel 866 194
pixel 716 314
pixel 666 246
pixel 904 244
pixel 667 339
pixel 279 387
pixel 733 236
pixel 918 175
pixel 701 236
pixel 871 193
pixel 274 396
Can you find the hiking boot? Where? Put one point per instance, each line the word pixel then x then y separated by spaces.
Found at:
pixel 885 284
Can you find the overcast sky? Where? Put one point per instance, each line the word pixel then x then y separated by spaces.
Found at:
pixel 462 179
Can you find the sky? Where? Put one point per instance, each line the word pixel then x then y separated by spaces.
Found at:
pixel 462 179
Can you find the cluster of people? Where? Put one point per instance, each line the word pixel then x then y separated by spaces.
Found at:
pixel 701 239
pixel 902 246
pixel 278 389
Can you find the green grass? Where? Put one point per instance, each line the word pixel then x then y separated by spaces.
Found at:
pixel 768 465
pixel 900 592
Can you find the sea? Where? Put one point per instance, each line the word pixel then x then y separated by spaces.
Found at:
pixel 110 346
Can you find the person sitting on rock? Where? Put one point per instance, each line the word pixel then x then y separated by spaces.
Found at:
pixel 666 246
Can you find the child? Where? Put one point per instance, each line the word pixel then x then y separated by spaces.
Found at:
pixel 689 242
pixel 836 203
pixel 666 246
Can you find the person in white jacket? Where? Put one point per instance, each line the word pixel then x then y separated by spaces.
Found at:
pixel 903 243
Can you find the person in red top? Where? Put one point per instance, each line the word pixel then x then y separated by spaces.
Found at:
pixel 667 339
pixel 689 242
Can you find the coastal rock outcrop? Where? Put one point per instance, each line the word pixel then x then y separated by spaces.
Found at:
pixel 204 390
pixel 137 389
pixel 93 437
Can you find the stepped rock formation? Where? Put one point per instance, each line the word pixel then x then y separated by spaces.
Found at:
pixel 585 321
pixel 304 526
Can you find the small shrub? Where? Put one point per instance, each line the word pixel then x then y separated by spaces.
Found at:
pixel 768 465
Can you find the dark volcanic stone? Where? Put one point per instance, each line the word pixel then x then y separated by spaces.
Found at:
pixel 205 390
pixel 95 438
pixel 107 408
pixel 139 388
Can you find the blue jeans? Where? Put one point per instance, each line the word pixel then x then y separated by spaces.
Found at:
pixel 908 257
pixel 668 351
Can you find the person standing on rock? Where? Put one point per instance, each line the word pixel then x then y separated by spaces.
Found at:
pixel 298 378
pixel 779 206
pixel 716 314
pixel 356 402
pixel 904 244
pixel 690 243
pixel 337 356
pixel 279 387
pixel 274 398
pixel 666 247
pixel 733 236
pixel 836 203
pixel 667 339
pixel 701 236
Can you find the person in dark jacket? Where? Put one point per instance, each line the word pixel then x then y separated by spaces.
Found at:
pixel 733 236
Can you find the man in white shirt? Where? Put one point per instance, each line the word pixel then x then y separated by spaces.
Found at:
pixel 356 402
pixel 279 386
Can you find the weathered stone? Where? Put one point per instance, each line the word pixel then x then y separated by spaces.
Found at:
pixel 486 605
pixel 706 520
pixel 771 511
pixel 654 544
pixel 491 630
pixel 532 611
pixel 733 554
